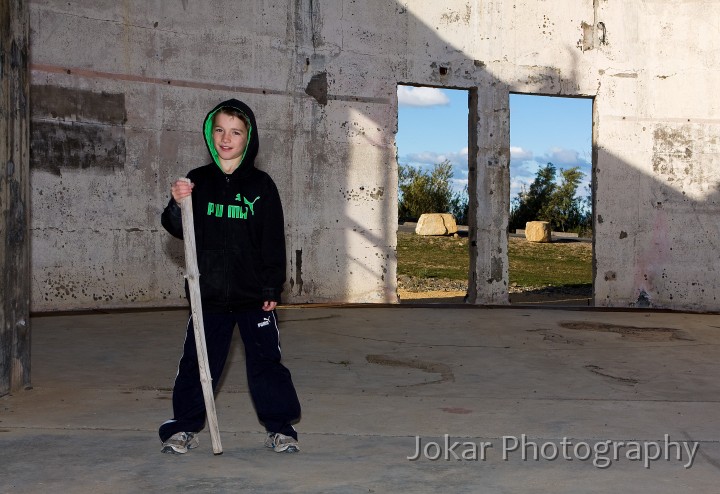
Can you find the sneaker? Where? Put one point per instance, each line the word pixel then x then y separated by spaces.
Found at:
pixel 280 443
pixel 270 440
pixel 180 442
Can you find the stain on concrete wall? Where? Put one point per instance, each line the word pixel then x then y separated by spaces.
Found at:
pixel 672 154
pixel 76 128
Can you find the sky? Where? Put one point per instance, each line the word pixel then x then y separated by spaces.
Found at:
pixel 432 127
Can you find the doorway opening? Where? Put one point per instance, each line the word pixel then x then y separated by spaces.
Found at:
pixel 432 156
pixel 550 244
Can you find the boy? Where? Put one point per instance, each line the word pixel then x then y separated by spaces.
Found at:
pixel 240 241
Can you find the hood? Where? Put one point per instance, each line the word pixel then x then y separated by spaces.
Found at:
pixel 253 143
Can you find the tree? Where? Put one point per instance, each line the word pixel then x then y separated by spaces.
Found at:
pixel 547 201
pixel 528 204
pixel 460 206
pixel 424 192
pixel 563 210
pixel 586 222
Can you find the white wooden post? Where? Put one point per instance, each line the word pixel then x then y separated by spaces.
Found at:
pixel 193 277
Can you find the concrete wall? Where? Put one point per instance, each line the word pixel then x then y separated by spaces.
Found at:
pixel 120 88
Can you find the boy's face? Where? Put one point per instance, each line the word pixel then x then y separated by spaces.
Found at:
pixel 229 136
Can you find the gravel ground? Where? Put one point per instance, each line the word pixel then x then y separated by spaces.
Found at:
pixel 413 284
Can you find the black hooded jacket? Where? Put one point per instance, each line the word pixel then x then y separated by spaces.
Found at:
pixel 239 227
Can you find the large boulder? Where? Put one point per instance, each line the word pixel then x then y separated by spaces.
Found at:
pixel 538 231
pixel 436 224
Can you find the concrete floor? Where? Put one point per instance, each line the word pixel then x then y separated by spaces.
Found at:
pixel 373 382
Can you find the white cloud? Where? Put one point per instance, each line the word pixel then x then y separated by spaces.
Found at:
pixel 520 154
pixel 563 158
pixel 457 158
pixel 421 96
pixel 458 184
pixel 424 158
pixel 522 172
pixel 524 169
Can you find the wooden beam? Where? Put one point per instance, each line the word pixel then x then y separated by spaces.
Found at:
pixel 14 197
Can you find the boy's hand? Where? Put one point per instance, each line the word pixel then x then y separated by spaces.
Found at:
pixel 181 189
pixel 269 305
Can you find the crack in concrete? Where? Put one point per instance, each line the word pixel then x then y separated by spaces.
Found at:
pixel 599 371
pixel 550 335
pixel 446 374
pixel 421 345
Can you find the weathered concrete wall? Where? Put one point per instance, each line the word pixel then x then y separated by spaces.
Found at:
pixel 121 89
pixel 657 172
pixel 14 197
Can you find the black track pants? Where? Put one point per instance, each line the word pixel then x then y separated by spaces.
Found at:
pixel 270 384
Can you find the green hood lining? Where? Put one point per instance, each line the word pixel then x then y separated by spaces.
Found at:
pixel 211 144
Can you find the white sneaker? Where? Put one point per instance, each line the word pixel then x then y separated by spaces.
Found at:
pixel 280 443
pixel 180 442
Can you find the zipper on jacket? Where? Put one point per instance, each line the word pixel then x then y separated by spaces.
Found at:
pixel 226 230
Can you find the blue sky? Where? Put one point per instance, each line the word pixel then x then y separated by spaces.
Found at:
pixel 432 127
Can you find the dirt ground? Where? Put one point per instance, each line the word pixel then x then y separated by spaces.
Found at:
pixel 435 296
pixel 413 291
